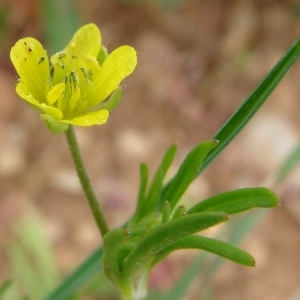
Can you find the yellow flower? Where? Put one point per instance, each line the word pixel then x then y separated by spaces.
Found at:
pixel 69 89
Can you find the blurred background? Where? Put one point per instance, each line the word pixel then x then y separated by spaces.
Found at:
pixel 197 62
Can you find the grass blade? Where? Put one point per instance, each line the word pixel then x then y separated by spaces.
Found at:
pixel 78 278
pixel 253 102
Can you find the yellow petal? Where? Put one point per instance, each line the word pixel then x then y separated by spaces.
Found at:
pixel 55 92
pixel 118 65
pixel 25 94
pixel 51 111
pixel 31 62
pixel 86 41
pixel 98 117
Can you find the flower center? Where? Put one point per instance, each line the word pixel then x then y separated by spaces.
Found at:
pixel 68 84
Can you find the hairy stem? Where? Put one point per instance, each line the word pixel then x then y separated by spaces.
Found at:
pixel 85 182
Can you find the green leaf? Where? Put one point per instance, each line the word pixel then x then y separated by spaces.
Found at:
pixel 237 229
pixel 147 203
pixel 215 246
pixel 167 234
pixel 237 201
pixel 69 287
pixel 179 211
pixel 166 213
pixel 157 182
pixel 143 186
pixel 186 173
pixel 253 102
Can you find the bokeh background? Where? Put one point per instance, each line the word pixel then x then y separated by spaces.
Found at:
pixel 197 62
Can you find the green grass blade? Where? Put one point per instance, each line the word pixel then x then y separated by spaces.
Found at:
pixel 69 287
pixel 215 246
pixel 253 102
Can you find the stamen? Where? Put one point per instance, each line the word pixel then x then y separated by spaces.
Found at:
pixel 73 79
pixel 86 75
pixel 60 55
pixel 65 79
pixel 41 60
pixel 51 72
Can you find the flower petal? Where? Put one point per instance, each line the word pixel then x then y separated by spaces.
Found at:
pixel 25 94
pixel 118 65
pixel 86 41
pixel 98 117
pixel 31 62
pixel 55 92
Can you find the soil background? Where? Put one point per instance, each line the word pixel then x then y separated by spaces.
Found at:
pixel 197 62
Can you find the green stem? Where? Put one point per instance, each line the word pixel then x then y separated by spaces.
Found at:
pixel 85 182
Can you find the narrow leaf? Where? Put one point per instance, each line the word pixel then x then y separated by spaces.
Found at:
pixel 215 246
pixel 168 158
pixel 157 182
pixel 166 213
pixel 143 186
pixel 155 189
pixel 167 234
pixel 253 102
pixel 180 211
pixel 237 201
pixel 186 173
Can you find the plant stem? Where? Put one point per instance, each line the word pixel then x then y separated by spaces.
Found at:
pixel 85 182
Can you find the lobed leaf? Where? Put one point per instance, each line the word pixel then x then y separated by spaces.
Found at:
pixel 215 246
pixel 167 234
pixel 237 201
